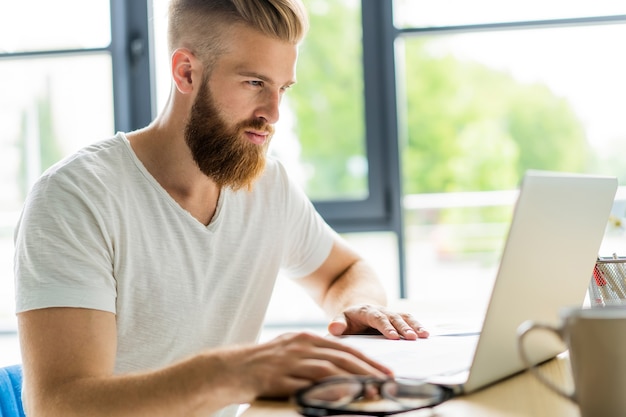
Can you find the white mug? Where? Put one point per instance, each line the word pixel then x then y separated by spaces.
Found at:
pixel 596 339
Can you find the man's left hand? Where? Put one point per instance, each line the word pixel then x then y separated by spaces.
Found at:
pixel 365 318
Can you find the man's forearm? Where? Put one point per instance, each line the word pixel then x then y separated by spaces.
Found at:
pixel 193 387
pixel 358 284
pixel 356 301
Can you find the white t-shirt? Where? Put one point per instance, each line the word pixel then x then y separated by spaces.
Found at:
pixel 98 231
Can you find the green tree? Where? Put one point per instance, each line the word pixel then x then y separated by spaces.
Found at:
pixel 547 131
pixel 472 128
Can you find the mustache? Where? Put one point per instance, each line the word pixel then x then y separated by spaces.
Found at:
pixel 256 124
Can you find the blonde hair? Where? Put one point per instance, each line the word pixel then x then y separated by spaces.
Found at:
pixel 202 25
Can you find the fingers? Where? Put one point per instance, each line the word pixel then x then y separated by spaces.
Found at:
pixel 344 359
pixel 395 325
pixel 421 331
pixel 364 318
pixel 408 326
pixel 338 325
pixel 293 361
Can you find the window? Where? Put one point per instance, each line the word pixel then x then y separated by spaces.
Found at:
pixel 46 111
pixel 60 92
pixel 486 93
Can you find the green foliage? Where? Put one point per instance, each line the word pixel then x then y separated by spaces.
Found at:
pixel 547 131
pixel 472 128
pixel 328 100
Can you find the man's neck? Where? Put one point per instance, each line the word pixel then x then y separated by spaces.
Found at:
pixel 167 158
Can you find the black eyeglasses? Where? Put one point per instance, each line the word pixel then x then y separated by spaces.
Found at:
pixel 368 396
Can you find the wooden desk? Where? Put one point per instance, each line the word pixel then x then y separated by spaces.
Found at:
pixel 520 395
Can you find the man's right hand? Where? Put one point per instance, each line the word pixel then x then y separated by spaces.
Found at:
pixel 293 361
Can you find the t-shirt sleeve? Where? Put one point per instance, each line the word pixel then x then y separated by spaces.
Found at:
pixel 309 239
pixel 63 257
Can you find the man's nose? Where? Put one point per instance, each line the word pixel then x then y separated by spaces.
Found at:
pixel 269 107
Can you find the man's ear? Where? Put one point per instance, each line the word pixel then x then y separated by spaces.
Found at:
pixel 186 70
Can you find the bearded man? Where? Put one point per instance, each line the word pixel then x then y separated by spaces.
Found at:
pixel 145 262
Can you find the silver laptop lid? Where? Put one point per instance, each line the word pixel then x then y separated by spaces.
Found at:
pixel 547 262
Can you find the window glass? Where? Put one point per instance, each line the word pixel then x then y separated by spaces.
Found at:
pixel 35 25
pixel 59 105
pixel 543 99
pixel 328 103
pixel 478 111
pixel 428 13
pixel 290 305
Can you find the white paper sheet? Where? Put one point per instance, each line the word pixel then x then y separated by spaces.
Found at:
pixel 441 354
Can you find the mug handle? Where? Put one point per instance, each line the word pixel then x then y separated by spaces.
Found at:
pixel 523 330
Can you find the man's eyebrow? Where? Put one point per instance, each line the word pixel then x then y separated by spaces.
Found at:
pixel 264 78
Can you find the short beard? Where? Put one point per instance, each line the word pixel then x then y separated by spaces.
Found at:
pixel 222 153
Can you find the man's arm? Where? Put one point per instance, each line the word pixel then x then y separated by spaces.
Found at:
pixel 349 291
pixel 69 358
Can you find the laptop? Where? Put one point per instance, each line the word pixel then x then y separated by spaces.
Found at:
pixel 547 262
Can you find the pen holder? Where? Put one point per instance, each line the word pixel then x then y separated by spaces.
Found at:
pixel 608 282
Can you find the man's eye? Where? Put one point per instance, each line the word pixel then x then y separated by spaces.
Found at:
pixel 255 83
